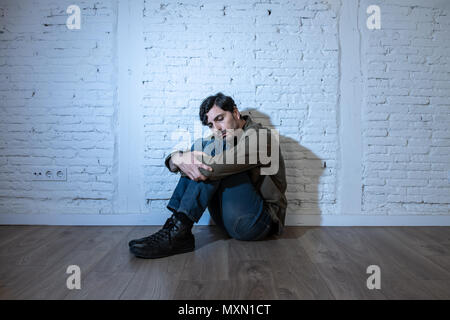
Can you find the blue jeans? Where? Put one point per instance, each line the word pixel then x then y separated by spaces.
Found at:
pixel 233 202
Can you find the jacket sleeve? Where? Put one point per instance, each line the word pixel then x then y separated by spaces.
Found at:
pixel 195 146
pixel 248 153
pixel 167 162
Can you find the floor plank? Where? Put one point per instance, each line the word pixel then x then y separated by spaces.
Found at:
pixel 403 255
pixel 295 275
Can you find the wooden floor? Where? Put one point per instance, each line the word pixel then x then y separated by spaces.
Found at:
pixel 304 263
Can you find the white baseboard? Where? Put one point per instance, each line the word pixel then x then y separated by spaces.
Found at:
pixel 368 220
pixel 159 219
pixel 91 220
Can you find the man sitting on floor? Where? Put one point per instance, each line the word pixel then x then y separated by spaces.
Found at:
pixel 238 173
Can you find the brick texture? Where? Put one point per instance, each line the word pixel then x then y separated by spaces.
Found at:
pixel 279 60
pixel 57 106
pixel 406 114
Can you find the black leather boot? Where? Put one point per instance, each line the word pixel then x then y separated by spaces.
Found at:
pixel 174 237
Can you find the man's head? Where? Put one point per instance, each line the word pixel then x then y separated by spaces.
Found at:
pixel 219 113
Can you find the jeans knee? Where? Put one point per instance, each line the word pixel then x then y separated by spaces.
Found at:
pixel 245 228
pixel 244 237
pixel 249 236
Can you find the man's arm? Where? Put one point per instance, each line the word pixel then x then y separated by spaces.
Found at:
pixel 169 163
pixel 250 152
pixel 187 163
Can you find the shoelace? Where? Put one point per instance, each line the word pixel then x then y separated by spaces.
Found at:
pixel 169 223
pixel 162 234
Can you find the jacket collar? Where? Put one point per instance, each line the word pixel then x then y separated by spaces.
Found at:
pixel 249 123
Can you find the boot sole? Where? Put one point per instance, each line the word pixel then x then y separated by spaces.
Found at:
pixel 178 251
pixel 130 244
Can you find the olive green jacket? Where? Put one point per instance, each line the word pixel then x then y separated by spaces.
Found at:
pixel 271 185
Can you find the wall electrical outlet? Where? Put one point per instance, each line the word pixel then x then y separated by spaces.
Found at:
pixel 49 174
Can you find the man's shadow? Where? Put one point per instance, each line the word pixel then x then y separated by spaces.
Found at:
pixel 303 172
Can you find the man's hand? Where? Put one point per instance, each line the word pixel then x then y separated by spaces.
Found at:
pixel 189 164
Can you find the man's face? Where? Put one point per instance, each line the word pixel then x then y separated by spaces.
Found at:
pixel 221 121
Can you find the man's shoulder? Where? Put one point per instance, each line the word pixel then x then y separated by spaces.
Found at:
pixel 258 128
pixel 253 123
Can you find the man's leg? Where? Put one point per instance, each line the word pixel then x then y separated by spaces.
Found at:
pixel 188 202
pixel 176 234
pixel 178 193
pixel 195 198
pixel 241 211
pixel 192 197
pixel 174 203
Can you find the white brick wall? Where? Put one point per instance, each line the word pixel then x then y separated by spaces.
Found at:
pixel 284 64
pixel 62 102
pixel 57 106
pixel 406 117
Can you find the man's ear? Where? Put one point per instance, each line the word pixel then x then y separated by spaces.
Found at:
pixel 236 112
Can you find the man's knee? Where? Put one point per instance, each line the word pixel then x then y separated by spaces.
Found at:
pixel 244 226
pixel 249 234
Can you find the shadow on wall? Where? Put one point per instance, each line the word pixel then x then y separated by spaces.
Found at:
pixel 303 172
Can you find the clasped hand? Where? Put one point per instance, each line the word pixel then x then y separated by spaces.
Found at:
pixel 190 165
